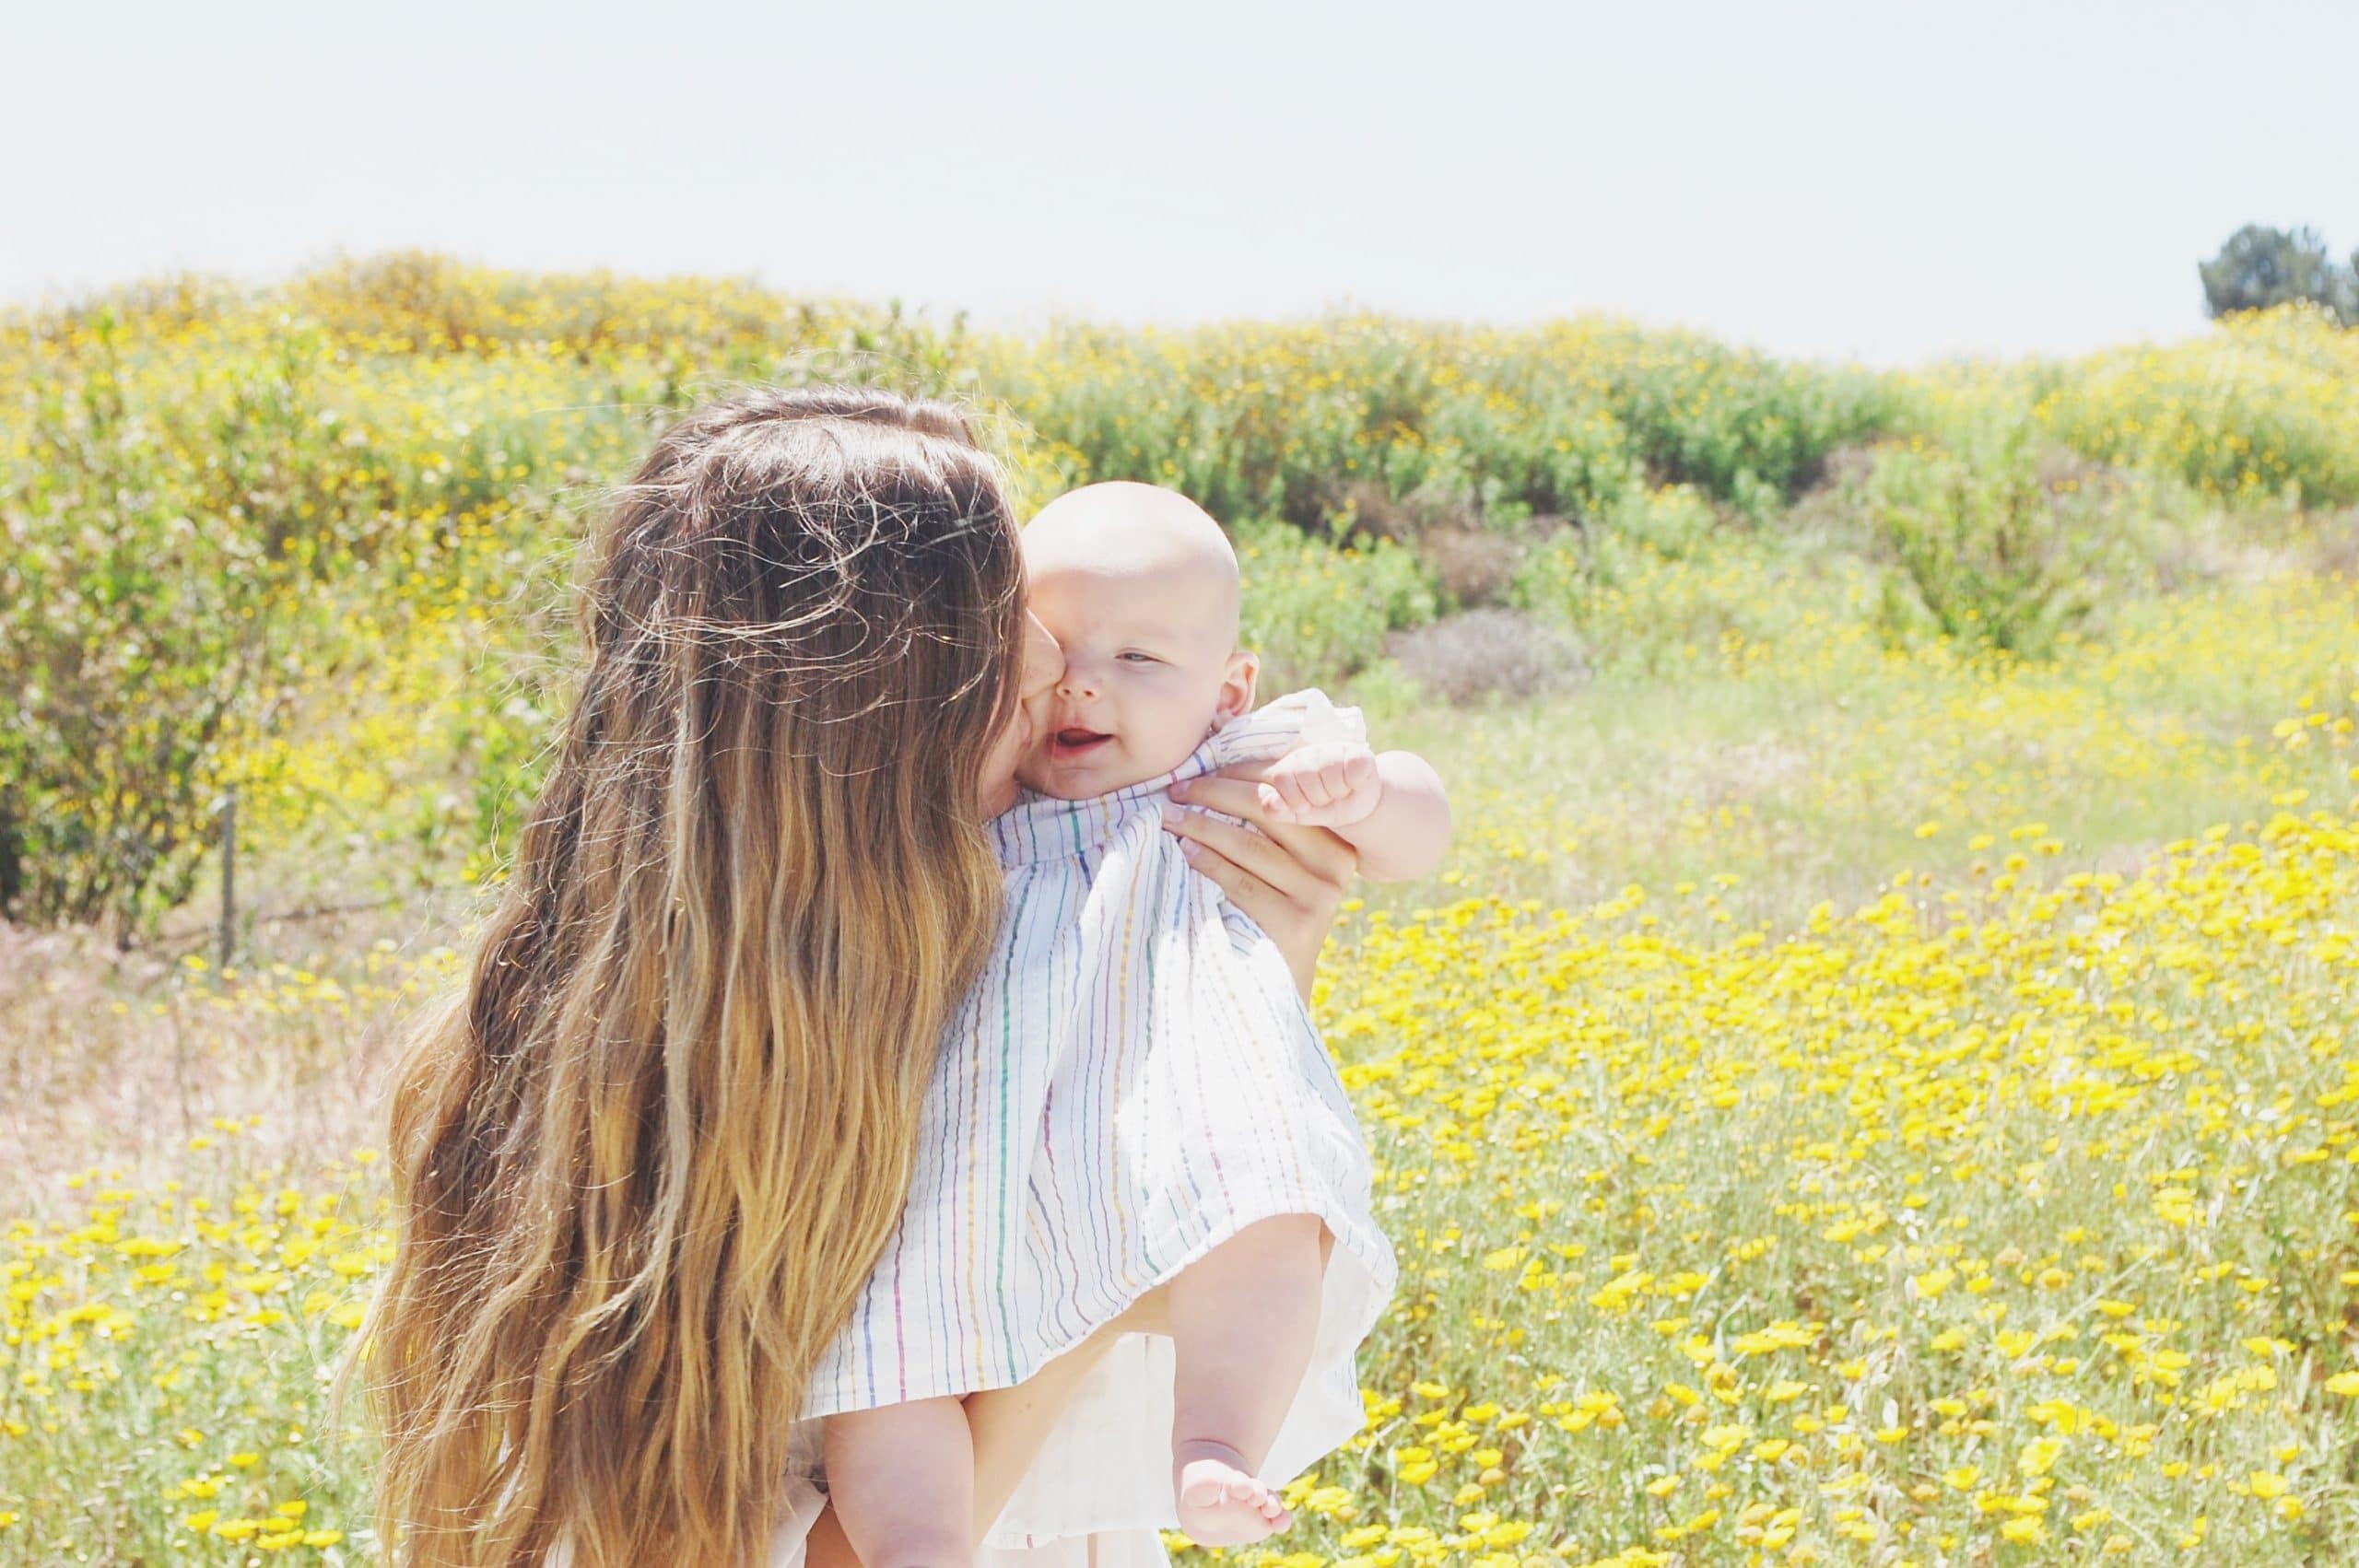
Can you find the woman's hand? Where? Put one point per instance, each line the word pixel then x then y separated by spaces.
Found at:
pixel 1289 878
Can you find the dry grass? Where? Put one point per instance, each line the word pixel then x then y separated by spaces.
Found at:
pixel 1467 659
pixel 116 1059
pixel 1473 566
pixel 1431 506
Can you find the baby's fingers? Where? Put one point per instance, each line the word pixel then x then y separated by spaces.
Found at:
pixel 1316 784
pixel 1274 802
pixel 1339 778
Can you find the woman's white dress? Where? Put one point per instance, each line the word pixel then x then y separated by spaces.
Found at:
pixel 1133 1080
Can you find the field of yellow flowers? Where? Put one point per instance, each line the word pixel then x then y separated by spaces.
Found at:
pixel 2009 1213
pixel 1855 1094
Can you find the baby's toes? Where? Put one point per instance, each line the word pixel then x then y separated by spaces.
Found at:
pixel 1211 1484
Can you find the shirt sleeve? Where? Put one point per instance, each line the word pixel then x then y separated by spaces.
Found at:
pixel 1283 724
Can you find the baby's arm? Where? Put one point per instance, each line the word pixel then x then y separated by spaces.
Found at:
pixel 1387 805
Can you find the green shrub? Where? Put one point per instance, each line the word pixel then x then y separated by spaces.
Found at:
pixel 1987 550
pixel 151 615
pixel 1747 429
pixel 1317 613
pixel 1675 521
pixel 2261 406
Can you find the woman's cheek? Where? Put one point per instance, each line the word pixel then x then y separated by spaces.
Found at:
pixel 997 786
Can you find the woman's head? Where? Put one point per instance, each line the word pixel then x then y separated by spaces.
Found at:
pixel 643 1163
pixel 832 565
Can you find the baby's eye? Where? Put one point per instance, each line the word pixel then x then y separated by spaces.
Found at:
pixel 1142 658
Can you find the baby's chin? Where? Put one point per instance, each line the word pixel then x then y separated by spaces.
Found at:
pixel 1082 778
pixel 1071 781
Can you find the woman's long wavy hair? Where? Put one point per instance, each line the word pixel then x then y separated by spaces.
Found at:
pixel 644 1162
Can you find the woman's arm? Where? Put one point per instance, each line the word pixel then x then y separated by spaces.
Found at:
pixel 1008 1425
pixel 1289 878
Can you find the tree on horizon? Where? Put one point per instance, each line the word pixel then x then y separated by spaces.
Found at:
pixel 2260 267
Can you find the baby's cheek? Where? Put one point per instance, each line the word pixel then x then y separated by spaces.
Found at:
pixel 1174 729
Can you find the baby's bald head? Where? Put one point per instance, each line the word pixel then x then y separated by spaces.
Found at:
pixel 1138 585
pixel 1121 531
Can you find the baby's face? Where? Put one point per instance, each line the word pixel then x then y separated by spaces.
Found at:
pixel 1151 669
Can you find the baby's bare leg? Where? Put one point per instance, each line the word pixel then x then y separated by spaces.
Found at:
pixel 1243 1319
pixel 901 1482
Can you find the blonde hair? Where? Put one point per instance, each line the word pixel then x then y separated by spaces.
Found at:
pixel 643 1163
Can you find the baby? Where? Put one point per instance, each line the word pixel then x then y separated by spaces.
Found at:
pixel 1203 1127
pixel 1138 586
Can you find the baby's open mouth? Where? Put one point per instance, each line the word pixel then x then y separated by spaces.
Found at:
pixel 1066 744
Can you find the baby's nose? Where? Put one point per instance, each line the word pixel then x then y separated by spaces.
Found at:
pixel 1076 684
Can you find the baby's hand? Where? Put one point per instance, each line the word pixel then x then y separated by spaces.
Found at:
pixel 1325 784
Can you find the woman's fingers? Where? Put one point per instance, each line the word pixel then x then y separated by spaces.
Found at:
pixel 1319 851
pixel 1289 878
pixel 1244 865
pixel 1248 849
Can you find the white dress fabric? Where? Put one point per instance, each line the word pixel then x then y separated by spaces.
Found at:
pixel 1132 1081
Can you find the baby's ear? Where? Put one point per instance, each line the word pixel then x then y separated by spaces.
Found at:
pixel 1236 684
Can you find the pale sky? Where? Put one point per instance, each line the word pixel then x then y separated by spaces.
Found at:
pixel 1893 181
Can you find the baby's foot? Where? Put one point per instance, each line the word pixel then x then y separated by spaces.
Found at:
pixel 1221 1503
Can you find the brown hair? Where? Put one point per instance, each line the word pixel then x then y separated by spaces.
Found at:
pixel 644 1162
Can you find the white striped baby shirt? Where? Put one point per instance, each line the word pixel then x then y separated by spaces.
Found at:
pixel 1133 1078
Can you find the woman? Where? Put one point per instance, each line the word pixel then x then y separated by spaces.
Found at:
pixel 643 1163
